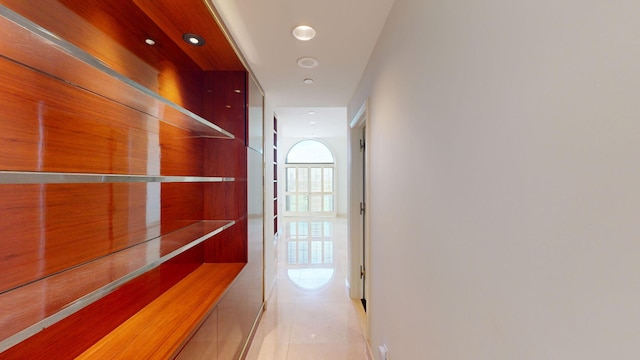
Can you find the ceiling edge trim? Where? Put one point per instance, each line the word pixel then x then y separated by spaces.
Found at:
pixel 225 30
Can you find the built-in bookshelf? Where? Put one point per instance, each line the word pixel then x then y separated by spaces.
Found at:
pixel 275 177
pixel 123 184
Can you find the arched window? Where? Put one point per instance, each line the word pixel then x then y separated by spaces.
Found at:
pixel 310 179
pixel 309 152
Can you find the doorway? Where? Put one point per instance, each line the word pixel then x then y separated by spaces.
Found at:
pixel 358 216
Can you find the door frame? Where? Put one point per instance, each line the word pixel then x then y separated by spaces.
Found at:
pixel 359 245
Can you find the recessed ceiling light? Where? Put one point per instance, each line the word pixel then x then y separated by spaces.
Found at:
pixel 308 81
pixel 308 62
pixel 193 39
pixel 311 112
pixel 304 32
pixel 312 122
pixel 150 41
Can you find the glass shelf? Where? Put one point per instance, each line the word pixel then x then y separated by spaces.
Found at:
pixel 35 306
pixel 34 47
pixel 28 177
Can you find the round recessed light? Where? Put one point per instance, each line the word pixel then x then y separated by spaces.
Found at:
pixel 312 122
pixel 311 112
pixel 193 39
pixel 150 41
pixel 304 32
pixel 308 62
pixel 307 81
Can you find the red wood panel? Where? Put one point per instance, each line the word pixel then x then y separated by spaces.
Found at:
pixel 229 246
pixel 226 100
pixel 182 309
pixel 114 32
pixel 182 152
pixel 225 157
pixel 70 337
pixel 181 203
pixel 47 124
pixel 226 105
pixel 57 127
pixel 48 228
pixel 194 17
pixel 232 160
pixel 33 302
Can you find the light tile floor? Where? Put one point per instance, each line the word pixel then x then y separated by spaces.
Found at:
pixel 310 315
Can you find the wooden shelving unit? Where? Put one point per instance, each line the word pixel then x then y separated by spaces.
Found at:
pixel 69 291
pixel 123 179
pixel 182 307
pixel 275 177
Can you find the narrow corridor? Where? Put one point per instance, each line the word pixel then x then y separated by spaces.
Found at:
pixel 310 315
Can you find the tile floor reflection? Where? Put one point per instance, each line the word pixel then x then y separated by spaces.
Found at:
pixel 310 315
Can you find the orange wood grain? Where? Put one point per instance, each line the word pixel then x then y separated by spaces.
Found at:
pixel 59 114
pixel 229 246
pixel 33 302
pixel 114 32
pixel 192 16
pixel 48 228
pixel 225 100
pixel 173 316
pixel 58 127
pixel 73 335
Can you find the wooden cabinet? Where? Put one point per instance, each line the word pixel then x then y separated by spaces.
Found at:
pixel 123 178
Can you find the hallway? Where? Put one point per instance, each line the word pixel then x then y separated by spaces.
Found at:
pixel 310 315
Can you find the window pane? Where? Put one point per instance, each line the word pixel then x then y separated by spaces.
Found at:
pixel 328 180
pixel 316 179
pixel 291 203
pixel 328 252
pixel 309 152
pixel 328 203
pixel 316 203
pixel 291 252
pixel 316 252
pixel 303 252
pixel 303 203
pixel 303 230
pixel 293 230
pixel 316 229
pixel 303 179
pixel 328 229
pixel 291 179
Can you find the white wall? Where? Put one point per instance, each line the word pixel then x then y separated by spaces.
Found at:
pixel 505 176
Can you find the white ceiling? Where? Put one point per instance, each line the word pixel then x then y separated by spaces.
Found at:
pixel 347 31
pixel 326 122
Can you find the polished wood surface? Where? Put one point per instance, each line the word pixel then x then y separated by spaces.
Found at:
pixel 85 132
pixel 43 297
pixel 173 316
pixel 225 100
pixel 228 106
pixel 62 110
pixel 194 17
pixel 70 337
pixel 48 228
pixel 114 32
pixel 229 246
